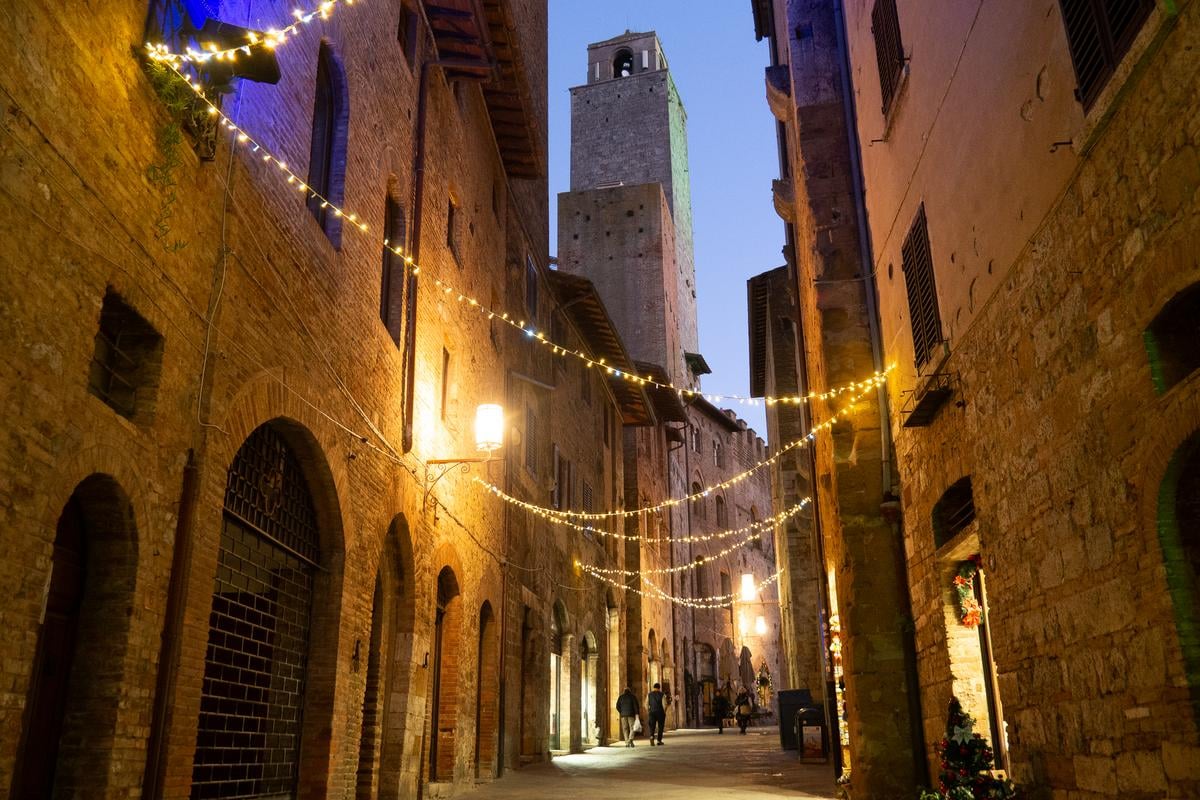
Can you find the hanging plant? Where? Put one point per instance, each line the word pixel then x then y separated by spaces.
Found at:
pixel 970 612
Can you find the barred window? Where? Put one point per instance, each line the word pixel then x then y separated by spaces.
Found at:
pixel 889 50
pixel 921 284
pixel 127 359
pixel 1099 33
pixel 953 512
pixel 588 503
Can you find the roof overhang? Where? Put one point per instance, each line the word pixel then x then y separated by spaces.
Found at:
pixel 579 300
pixel 697 364
pixel 668 406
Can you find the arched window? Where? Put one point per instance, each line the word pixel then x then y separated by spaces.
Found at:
pixel 697 503
pixel 446 648
pixel 722 513
pixel 953 512
pixel 327 155
pixel 252 702
pixel 1173 339
pixel 623 64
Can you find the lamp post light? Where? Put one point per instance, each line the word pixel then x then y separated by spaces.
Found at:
pixel 489 437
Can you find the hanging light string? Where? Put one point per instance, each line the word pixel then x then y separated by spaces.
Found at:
pixel 241 137
pixel 707 537
pixel 270 39
pixel 655 592
pixel 699 562
pixel 555 513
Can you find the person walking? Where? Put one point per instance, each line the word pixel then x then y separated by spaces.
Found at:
pixel 627 707
pixel 744 709
pixel 720 706
pixel 656 710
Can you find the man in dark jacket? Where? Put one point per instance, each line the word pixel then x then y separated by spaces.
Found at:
pixel 656 709
pixel 627 707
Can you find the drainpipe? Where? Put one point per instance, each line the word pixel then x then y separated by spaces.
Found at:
pixel 870 289
pixel 168 654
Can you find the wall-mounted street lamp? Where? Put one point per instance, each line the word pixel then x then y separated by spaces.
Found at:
pixel 760 625
pixel 489 437
pixel 749 588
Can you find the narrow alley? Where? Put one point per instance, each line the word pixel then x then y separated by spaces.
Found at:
pixel 693 764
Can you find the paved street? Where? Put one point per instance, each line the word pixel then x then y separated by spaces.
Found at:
pixel 693 764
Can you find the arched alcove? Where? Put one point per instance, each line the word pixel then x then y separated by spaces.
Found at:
pixel 447 649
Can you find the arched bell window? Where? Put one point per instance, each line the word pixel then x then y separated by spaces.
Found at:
pixel 623 64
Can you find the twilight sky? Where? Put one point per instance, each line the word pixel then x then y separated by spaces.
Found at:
pixel 718 68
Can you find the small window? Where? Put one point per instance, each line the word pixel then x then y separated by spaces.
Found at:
pixel 585 392
pixel 722 513
pixel 445 381
pixel 1099 33
pixel 452 225
pixel 392 278
pixel 727 589
pixel 889 50
pixel 920 282
pixel 701 578
pixel 953 512
pixel 531 437
pixel 327 154
pixel 1173 339
pixel 698 502
pixel 718 454
pixel 588 497
pixel 623 64
pixel 406 33
pixel 127 359
pixel 531 289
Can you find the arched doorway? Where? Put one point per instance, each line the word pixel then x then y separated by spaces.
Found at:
pixel 531 662
pixel 487 698
pixel 1179 536
pixel 652 665
pixel 388 658
pixel 252 702
pixel 589 672
pixel 613 684
pixel 446 650
pixel 78 660
pixel 706 665
pixel 560 680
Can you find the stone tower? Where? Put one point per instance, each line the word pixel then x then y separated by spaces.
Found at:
pixel 627 222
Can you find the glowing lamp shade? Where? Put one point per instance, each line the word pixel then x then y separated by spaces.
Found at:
pixel 489 427
pixel 749 589
pixel 760 625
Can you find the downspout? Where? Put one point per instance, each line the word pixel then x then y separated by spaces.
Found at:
pixel 870 289
pixel 675 575
pixel 172 635
pixel 500 738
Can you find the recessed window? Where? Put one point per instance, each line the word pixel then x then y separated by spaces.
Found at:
pixel 531 289
pixel 920 282
pixel 406 32
pixel 1173 339
pixel 722 513
pixel 953 512
pixel 127 359
pixel 889 50
pixel 327 155
pixel 531 438
pixel 392 276
pixel 445 381
pixel 452 226
pixel 623 64
pixel 1099 33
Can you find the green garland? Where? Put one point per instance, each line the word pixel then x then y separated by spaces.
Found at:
pixel 970 612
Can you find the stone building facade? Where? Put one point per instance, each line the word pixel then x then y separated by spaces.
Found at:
pixel 626 224
pixel 233 565
pixel 1029 182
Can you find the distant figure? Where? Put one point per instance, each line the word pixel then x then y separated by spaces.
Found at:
pixel 744 710
pixel 720 710
pixel 656 710
pixel 627 707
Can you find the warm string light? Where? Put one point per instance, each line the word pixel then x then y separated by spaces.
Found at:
pixel 714 601
pixel 270 39
pixel 241 137
pixel 707 537
pixel 553 513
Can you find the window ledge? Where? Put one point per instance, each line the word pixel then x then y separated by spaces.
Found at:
pixel 889 119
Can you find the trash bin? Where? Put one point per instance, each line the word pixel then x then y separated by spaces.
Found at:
pixel 812 737
pixel 791 701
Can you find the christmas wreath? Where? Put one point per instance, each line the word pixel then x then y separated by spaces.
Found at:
pixel 970 612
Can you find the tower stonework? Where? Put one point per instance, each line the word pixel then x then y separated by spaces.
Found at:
pixel 629 129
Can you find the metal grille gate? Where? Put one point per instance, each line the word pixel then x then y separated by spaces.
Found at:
pixel 252 699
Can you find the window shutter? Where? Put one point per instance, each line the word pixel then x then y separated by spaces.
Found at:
pixel 889 50
pixel 1099 33
pixel 921 285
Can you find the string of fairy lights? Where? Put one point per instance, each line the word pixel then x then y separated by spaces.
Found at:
pixel 239 136
pixel 697 563
pixel 270 39
pixel 554 514
pixel 656 592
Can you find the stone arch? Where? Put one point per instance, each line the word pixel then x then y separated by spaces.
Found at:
pixel 487 696
pixel 79 679
pixel 531 670
pixel 589 678
pixel 274 613
pixel 622 63
pixel 389 665
pixel 447 650
pixel 1178 525
pixel 560 678
pixel 612 683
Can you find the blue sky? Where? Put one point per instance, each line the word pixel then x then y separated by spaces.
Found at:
pixel 718 68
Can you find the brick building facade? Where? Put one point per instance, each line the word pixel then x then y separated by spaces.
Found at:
pixel 1024 180
pixel 231 565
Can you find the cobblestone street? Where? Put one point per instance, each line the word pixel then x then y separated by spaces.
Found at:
pixel 694 764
